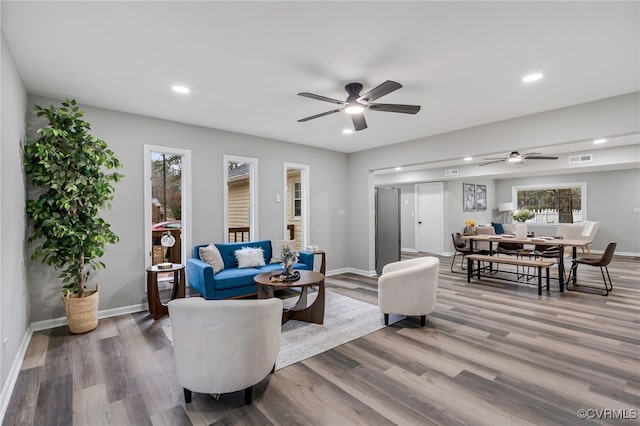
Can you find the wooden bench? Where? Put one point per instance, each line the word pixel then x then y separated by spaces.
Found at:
pixel 538 264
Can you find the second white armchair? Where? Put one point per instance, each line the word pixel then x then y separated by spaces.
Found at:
pixel 409 287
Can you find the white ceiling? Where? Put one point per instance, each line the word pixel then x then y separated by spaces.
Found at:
pixel 246 61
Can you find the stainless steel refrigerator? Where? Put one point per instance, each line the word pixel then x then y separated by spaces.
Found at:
pixel 387 226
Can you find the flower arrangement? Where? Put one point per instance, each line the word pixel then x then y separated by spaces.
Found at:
pixel 469 227
pixel 522 215
pixel 288 258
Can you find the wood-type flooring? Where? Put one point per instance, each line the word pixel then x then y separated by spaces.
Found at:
pixel 492 353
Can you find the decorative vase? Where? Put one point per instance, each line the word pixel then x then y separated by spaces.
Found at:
pixel 288 270
pixel 521 230
pixel 82 312
pixel 469 230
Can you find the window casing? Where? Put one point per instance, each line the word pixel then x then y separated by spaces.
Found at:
pixel 552 203
pixel 297 199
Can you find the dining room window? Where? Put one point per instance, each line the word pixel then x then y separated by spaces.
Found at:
pixel 553 203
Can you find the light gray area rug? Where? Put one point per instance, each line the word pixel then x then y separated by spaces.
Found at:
pixel 345 319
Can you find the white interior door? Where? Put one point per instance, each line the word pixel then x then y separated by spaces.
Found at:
pixel 429 217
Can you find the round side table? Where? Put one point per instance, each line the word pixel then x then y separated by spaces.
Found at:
pixel 156 307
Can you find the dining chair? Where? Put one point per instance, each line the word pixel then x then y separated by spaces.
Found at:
pixel 588 234
pixel 602 262
pixel 462 248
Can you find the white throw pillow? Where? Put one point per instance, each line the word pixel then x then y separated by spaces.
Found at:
pixel 249 257
pixel 211 255
pixel 277 246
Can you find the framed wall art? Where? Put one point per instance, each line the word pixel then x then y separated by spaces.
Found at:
pixel 468 197
pixel 481 197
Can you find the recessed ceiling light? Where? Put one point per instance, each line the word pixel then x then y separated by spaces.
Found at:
pixel 532 77
pixel 180 89
pixel 347 131
pixel 468 158
pixel 398 169
pixel 599 141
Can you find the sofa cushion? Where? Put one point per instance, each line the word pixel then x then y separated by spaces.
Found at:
pixel 211 255
pixel 277 246
pixel 249 257
pixel 235 277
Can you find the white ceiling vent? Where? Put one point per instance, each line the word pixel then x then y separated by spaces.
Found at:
pixel 451 172
pixel 583 158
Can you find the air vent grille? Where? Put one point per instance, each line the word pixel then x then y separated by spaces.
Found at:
pixel 451 172
pixel 583 158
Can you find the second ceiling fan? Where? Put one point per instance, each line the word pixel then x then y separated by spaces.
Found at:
pixel 516 158
pixel 355 104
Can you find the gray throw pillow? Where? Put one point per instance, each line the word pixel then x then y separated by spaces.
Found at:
pixel 211 255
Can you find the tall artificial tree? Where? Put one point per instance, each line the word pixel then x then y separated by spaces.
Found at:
pixel 74 174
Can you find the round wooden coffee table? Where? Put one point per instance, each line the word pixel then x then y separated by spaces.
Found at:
pixel 301 312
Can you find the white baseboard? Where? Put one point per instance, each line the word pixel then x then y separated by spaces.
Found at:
pixel 409 250
pixel 58 322
pixel 12 377
pixel 351 271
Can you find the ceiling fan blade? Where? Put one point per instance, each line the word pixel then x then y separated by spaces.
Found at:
pixel 319 115
pixel 359 123
pixel 321 98
pixel 491 162
pixel 405 109
pixel 379 91
pixel 539 157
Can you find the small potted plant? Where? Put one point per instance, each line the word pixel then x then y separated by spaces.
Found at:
pixel 72 175
pixel 288 258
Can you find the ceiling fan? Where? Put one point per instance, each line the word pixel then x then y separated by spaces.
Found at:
pixel 355 104
pixel 516 158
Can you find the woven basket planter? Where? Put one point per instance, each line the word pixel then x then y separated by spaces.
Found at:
pixel 82 312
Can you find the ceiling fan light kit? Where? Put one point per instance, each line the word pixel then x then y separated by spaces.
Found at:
pixel 516 158
pixel 356 104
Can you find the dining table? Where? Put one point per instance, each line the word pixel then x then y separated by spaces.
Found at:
pixel 561 243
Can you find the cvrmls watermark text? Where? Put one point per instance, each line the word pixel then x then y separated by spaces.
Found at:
pixel 608 413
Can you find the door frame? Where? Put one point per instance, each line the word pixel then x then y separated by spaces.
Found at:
pixel 418 239
pixel 185 202
pixel 305 172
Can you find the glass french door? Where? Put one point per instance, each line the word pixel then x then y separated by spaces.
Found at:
pixel 167 204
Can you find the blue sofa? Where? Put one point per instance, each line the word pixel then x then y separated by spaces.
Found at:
pixel 233 281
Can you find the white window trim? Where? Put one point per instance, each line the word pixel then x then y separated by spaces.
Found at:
pixel 253 195
pixel 581 185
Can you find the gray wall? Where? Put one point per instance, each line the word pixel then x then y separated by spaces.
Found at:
pixel 454 216
pixel 612 116
pixel 122 282
pixel 611 198
pixel 14 299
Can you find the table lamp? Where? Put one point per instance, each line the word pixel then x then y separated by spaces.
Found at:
pixel 166 241
pixel 504 208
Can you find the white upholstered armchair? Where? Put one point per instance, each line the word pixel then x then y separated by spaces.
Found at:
pixel 409 287
pixel 223 346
